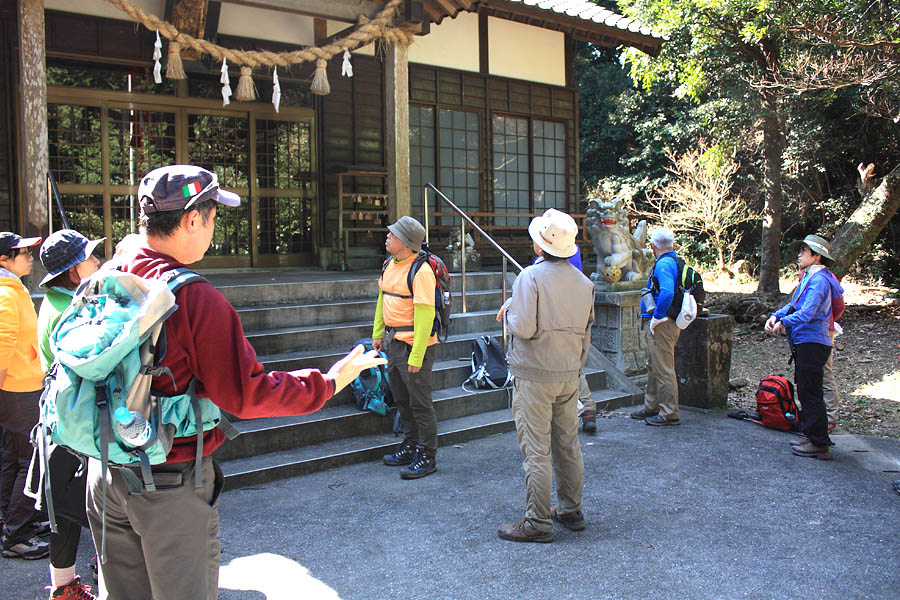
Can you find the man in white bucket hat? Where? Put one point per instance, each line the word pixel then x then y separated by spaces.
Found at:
pixel 549 318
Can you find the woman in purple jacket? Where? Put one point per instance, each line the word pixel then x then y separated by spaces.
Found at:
pixel 805 320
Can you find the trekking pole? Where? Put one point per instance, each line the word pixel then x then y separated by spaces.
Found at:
pixel 52 185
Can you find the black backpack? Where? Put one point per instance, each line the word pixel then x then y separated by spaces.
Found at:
pixel 689 281
pixel 490 370
pixel 441 326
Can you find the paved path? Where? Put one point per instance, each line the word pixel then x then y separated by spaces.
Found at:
pixel 714 509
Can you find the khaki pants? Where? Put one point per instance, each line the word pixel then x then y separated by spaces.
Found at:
pixel 829 387
pixel 585 402
pixel 161 545
pixel 547 429
pixel 662 384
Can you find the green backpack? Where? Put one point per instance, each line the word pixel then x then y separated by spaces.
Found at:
pixel 107 347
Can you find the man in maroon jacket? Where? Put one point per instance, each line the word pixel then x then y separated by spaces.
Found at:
pixel 165 543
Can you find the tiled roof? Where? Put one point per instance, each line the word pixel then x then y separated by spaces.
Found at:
pixel 582 19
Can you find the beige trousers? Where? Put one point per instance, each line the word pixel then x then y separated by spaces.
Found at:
pixel 547 428
pixel 829 387
pixel 585 402
pixel 662 384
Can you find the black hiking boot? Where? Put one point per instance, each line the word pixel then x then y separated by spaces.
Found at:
pixel 423 463
pixel 403 455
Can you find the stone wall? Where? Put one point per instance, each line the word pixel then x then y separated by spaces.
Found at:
pixel 617 330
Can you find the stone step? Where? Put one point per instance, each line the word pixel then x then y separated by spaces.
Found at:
pixel 261 468
pixel 311 337
pixel 277 316
pixel 313 287
pixel 344 420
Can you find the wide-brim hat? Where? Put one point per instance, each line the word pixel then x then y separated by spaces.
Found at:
pixel 63 250
pixel 178 187
pixel 11 241
pixel 816 243
pixel 554 232
pixel 409 231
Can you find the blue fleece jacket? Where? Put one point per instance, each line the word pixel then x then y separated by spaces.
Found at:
pixel 811 303
pixel 666 273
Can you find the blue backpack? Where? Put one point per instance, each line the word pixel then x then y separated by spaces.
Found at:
pixel 107 347
pixel 372 389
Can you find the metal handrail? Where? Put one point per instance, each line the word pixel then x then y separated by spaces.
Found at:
pixel 464 218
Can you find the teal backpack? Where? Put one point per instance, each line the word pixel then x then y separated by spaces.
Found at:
pixel 107 347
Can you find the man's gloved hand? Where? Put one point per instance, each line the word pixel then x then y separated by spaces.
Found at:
pixel 654 322
pixel 348 368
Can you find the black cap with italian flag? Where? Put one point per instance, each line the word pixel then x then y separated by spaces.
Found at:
pixel 178 187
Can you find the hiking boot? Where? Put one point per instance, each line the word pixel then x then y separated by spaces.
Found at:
pixel 403 455
pixel 524 531
pixel 661 420
pixel 573 521
pixel 643 414
pixel 74 590
pixel 810 450
pixel 30 549
pixel 422 464
pixel 41 529
pixel 589 422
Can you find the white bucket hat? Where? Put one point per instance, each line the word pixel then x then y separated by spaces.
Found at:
pixel 554 232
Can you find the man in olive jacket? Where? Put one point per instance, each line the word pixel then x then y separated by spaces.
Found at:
pixel 549 317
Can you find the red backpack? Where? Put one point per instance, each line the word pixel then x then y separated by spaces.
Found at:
pixel 775 403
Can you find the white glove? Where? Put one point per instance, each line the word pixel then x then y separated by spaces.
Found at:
pixel 770 324
pixel 348 368
pixel 654 322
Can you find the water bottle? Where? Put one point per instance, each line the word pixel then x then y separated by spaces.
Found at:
pixel 132 427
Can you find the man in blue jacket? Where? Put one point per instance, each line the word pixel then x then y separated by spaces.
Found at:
pixel 805 321
pixel 661 395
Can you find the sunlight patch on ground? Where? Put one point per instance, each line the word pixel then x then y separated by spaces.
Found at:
pixel 886 389
pixel 275 576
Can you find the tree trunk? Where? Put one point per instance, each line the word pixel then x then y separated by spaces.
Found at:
pixel 770 243
pixel 860 230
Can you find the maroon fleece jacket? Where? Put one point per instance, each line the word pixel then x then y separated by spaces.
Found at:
pixel 204 339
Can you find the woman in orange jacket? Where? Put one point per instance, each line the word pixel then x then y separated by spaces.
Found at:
pixel 20 391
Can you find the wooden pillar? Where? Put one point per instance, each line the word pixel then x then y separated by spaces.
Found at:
pixel 32 101
pixel 396 126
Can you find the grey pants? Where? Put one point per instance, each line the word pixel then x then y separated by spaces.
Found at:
pixel 829 386
pixel 412 393
pixel 547 428
pixel 161 545
pixel 662 384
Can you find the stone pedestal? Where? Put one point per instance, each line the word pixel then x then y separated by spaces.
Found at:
pixel 703 361
pixel 617 330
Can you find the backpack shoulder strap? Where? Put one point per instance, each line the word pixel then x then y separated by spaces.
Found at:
pixel 414 269
pixel 180 277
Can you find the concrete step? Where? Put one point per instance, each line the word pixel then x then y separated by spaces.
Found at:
pixel 277 316
pixel 269 466
pixel 341 419
pixel 311 337
pixel 312 287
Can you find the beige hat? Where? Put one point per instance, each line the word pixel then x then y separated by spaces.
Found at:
pixel 816 243
pixel 554 232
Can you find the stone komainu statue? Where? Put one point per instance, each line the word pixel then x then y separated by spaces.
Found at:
pixel 621 255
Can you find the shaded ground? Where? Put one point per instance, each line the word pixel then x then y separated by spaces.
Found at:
pixel 867 370
pixel 713 509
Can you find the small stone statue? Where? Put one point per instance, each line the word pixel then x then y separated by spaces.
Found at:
pixel 473 256
pixel 621 255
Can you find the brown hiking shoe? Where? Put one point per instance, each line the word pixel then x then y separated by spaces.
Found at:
pixel 810 450
pixel 524 531
pixel 573 521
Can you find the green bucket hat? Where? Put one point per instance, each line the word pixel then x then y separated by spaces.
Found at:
pixel 816 243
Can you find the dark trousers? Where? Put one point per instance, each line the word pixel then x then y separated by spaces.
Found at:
pixel 18 415
pixel 412 393
pixel 68 479
pixel 809 360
